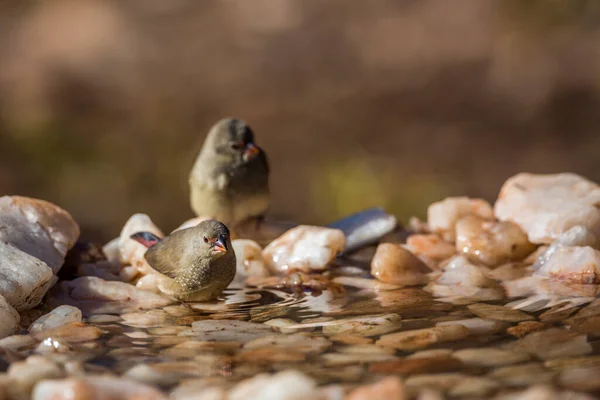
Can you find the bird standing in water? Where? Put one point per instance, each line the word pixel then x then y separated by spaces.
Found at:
pixel 197 263
pixel 230 178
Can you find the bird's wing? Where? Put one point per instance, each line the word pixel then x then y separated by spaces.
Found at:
pixel 166 256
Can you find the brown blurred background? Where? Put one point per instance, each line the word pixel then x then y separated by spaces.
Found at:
pixel 397 103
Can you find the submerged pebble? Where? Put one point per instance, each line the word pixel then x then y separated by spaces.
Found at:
pixel 249 260
pixel 61 315
pixel 421 338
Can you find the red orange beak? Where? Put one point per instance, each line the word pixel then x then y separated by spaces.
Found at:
pixel 250 151
pixel 220 244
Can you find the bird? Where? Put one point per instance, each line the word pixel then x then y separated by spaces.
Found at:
pixel 196 263
pixel 230 177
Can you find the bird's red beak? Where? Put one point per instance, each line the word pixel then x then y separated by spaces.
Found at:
pixel 220 244
pixel 251 151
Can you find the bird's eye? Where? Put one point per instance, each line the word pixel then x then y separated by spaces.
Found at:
pixel 205 239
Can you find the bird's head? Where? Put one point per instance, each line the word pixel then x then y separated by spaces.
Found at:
pixel 215 238
pixel 233 138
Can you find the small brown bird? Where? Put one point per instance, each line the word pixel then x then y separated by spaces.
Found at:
pixel 197 263
pixel 230 178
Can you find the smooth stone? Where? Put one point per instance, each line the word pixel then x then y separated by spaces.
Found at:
pixel 430 353
pixel 523 374
pixel 24 375
pixel 579 265
pixel 509 271
pixel 442 216
pixel 303 343
pixel 51 346
pixel 365 227
pixel 111 250
pixel 490 357
pixel 38 228
pixel 24 279
pixel 478 326
pixel 389 388
pixel 421 338
pixel 372 325
pixel 286 325
pixel 430 248
pixel 490 242
pixel 285 385
pixel 249 260
pixel 546 206
pixel 419 365
pixel 350 339
pixel 365 283
pixel 306 248
pixel 9 319
pixel 499 313
pixel 441 382
pixel 229 330
pixel 524 328
pixel 394 264
pixel 577 236
pixel 96 296
pixel 74 332
pixel 474 386
pixel 345 359
pixel 16 342
pixel 132 252
pixel 553 343
pixel 171 372
pixel 580 378
pixel 61 315
pixel 190 223
pixel 95 387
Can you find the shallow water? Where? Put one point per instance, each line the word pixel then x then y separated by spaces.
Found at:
pixel 163 348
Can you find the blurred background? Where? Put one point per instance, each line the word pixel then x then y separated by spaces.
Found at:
pixel 396 103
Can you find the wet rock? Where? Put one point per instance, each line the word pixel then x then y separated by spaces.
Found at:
pixel 510 271
pixel 24 375
pixel 61 315
pixel 441 382
pixel 229 331
pixel 109 271
pixel 490 357
pixel 546 206
pixel 303 343
pixel 491 243
pixel 430 248
pixel 249 260
pixel 285 385
pixel 390 388
pixel 461 279
pixel 95 296
pixel 373 325
pixel 348 359
pixel 580 378
pixel 350 339
pixel 572 264
pixel 95 387
pixel 577 236
pixel 523 374
pixel 478 326
pixel 111 250
pixel 524 328
pixel 421 338
pixel 474 387
pixel 132 252
pixel 365 227
pixel 365 283
pixel 306 248
pixel 420 365
pixel 553 343
pixel 16 342
pixel 9 319
pixel 38 228
pixel 394 264
pixel 443 215
pixel 172 372
pixel 499 313
pixel 24 279
pixel 74 332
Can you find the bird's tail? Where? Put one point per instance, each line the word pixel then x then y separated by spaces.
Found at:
pixel 146 238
